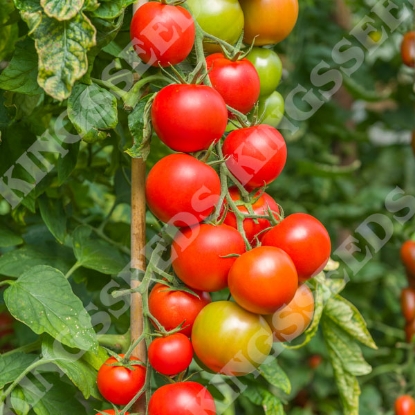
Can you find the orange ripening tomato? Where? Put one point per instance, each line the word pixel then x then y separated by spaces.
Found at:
pixel 408 304
pixel 408 49
pixel 290 321
pixel 268 21
pixel 408 259
pixel 405 405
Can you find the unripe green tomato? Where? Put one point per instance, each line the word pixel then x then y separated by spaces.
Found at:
pixel 229 340
pixel 269 68
pixel 271 109
pixel 223 19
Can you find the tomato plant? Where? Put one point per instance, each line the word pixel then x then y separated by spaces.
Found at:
pixel 170 355
pixel 269 68
pixel 297 235
pixel 408 49
pixel 187 398
pixel 291 320
pixel 255 275
pixel 200 255
pixel 182 190
pixel 261 204
pixel 268 21
pixel 230 340
pixel 405 405
pixel 236 80
pixel 189 118
pixel 408 304
pixel 255 155
pixel 118 383
pixel 172 307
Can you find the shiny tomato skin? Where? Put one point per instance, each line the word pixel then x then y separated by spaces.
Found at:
pixel 230 340
pixel 263 280
pixel 408 258
pixel 305 239
pixel 408 49
pixel 255 155
pixel 269 67
pixel 405 405
pixel 268 21
pixel 197 255
pixel 181 190
pixel 171 308
pixel 182 398
pixel 119 384
pixel 170 355
pixel 162 34
pixel 189 118
pixel 223 19
pixel 237 81
pixel 408 304
pixel 271 109
pixel 292 320
pixel 260 206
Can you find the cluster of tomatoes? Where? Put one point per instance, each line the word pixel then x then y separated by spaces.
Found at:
pixel 231 234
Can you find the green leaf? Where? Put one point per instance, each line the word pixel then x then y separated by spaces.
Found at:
pixel 111 9
pixel 52 396
pixel 12 366
pixel 273 373
pixel 66 165
pixel 96 254
pixel 53 214
pixel 15 263
pixel 62 48
pixel 43 299
pixel 21 73
pixel 74 365
pixel 93 111
pixel 62 9
pixel 9 238
pixel 346 316
pixel 258 395
pixel 18 401
pixel 8 32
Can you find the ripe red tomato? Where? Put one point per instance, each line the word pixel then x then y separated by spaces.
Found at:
pixel 408 49
pixel 170 355
pixel 408 258
pixel 182 190
pixel 172 308
pixel 237 81
pixel 198 255
pixel 305 240
pixel 290 321
pixel 315 361
pixel 260 205
pixel 408 304
pixel 162 34
pixel 119 384
pixel 263 280
pixel 405 405
pixel 182 398
pixel 230 340
pixel 255 155
pixel 189 118
pixel 270 20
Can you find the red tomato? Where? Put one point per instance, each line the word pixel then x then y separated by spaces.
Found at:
pixel 162 34
pixel 260 206
pixel 172 308
pixel 230 340
pixel 255 155
pixel 408 49
pixel 170 355
pixel 405 405
pixel 182 190
pixel 182 398
pixel 292 320
pixel 305 240
pixel 119 384
pixel 408 304
pixel 263 280
pixel 315 361
pixel 237 81
pixel 198 255
pixel 189 118
pixel 408 258
pixel 268 21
